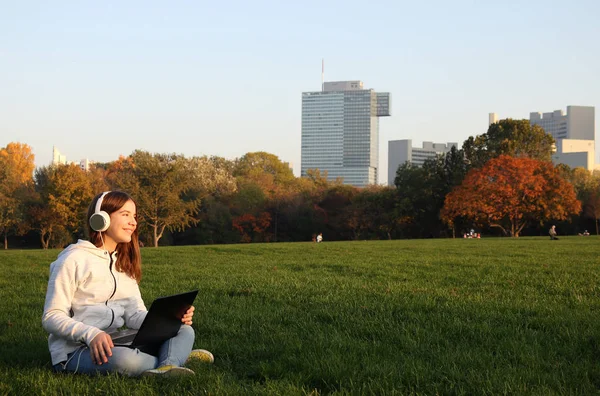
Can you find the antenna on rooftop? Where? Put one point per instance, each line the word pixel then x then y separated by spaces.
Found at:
pixel 322 74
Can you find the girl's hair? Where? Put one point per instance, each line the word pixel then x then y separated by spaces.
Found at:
pixel 129 259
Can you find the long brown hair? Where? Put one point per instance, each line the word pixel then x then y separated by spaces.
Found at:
pixel 129 259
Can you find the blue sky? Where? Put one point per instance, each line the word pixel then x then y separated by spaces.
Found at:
pixel 103 78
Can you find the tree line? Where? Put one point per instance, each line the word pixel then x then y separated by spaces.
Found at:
pixel 501 180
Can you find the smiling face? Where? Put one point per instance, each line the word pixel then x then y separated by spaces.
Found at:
pixel 122 225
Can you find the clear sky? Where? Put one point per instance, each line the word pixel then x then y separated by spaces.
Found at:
pixel 102 78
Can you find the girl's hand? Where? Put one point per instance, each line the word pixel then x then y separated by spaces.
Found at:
pixel 187 316
pixel 101 348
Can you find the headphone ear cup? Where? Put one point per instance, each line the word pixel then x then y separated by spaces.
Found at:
pixel 100 221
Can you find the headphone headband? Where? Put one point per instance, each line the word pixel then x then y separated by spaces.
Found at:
pixel 99 202
pixel 100 220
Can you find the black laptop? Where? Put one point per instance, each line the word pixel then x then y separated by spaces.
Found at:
pixel 162 322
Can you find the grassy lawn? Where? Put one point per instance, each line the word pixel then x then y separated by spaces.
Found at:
pixel 489 316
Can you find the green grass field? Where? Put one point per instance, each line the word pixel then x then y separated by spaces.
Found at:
pixel 489 316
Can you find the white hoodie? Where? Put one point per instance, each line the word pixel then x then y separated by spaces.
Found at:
pixel 87 295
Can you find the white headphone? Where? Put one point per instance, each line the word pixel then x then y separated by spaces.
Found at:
pixel 100 220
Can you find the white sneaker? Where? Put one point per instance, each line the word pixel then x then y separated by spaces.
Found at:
pixel 168 371
pixel 200 355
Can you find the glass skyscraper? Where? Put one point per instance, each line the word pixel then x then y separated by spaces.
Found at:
pixel 340 131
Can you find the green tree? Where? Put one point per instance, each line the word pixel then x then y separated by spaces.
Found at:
pixel 215 185
pixel 455 169
pixel 159 184
pixel 249 203
pixel 515 138
pixel 414 203
pixel 223 163
pixel 264 168
pixel 333 210
pixel 97 178
pixel 320 179
pixel 215 224
pixel 591 205
pixel 275 179
pixel 422 190
pixel 587 186
pixel 9 215
pixel 373 213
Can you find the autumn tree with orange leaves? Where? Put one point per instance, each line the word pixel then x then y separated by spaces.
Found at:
pixel 252 227
pixel 16 177
pixel 509 192
pixel 58 209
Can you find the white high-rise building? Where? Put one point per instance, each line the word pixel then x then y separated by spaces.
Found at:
pixel 340 131
pixel 574 132
pixel 61 159
pixel 84 164
pixel 577 123
pixel 402 151
pixel 57 157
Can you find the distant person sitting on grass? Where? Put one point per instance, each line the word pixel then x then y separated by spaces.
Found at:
pixel 93 290
pixel 552 233
pixel 320 237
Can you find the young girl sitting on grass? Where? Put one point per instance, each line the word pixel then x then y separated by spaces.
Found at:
pixel 93 290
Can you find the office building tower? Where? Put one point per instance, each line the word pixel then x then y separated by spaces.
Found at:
pixel 57 157
pixel 84 164
pixel 402 151
pixel 340 131
pixel 578 123
pixel 574 133
pixel 61 159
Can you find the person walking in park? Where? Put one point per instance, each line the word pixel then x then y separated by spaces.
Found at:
pixel 552 233
pixel 93 290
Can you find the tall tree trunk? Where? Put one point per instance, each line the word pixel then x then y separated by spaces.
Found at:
pixel 155 235
pixel 276 221
pixel 5 241
pixel 45 238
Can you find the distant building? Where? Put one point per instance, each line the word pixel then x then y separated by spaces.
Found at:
pixel 57 157
pixel 578 123
pixel 84 164
pixel 575 153
pixel 340 131
pixel 574 132
pixel 60 159
pixel 402 151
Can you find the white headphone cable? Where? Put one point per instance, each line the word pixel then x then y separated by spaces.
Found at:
pixel 80 350
pixel 79 358
pixel 102 239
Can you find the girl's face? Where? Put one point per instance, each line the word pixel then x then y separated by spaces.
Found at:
pixel 122 225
